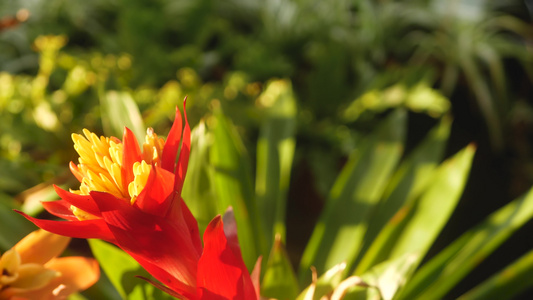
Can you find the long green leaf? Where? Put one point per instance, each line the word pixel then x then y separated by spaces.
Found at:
pixel 197 189
pixel 409 181
pixel 339 233
pixel 509 282
pixel 279 281
pixel 448 267
pixel 119 111
pixel 233 186
pixel 389 276
pixel 275 151
pixel 426 217
pixel 121 270
pixel 325 284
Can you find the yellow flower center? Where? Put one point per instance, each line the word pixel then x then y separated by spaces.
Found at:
pixel 100 166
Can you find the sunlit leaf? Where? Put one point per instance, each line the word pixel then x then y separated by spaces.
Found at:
pixel 279 281
pixel 121 270
pixel 389 276
pixel 340 230
pixel 509 282
pixel 197 189
pixel 425 218
pixel 447 268
pixel 409 181
pixel 325 284
pixel 275 150
pixel 119 110
pixel 231 176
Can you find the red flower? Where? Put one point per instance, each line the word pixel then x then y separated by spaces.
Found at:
pixel 132 198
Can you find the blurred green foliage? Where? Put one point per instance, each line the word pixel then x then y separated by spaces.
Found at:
pixel 276 89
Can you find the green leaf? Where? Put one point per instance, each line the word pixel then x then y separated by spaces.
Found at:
pixel 448 267
pixel 325 283
pixel 119 111
pixel 509 282
pixel 409 181
pixel 197 189
pixel 103 289
pixel 275 151
pixel 279 281
pixel 231 177
pixel 389 276
pixel 14 226
pixel 121 270
pixel 340 230
pixel 426 217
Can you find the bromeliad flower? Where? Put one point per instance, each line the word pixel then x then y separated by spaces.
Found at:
pixel 131 197
pixel 32 270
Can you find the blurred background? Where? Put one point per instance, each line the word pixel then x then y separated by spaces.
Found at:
pixel 68 65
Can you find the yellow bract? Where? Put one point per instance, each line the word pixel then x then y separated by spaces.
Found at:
pixel 141 171
pixel 100 166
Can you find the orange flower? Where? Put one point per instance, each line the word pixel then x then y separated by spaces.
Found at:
pixel 32 270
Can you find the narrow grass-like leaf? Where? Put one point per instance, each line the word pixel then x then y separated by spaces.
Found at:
pixel 231 176
pixel 389 276
pixel 408 182
pixel 121 270
pixel 197 189
pixel 509 282
pixel 279 281
pixel 119 110
pixel 275 151
pixel 448 267
pixel 325 283
pixel 426 217
pixel 340 230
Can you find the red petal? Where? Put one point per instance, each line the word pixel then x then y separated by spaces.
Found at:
pixel 132 154
pixel 163 288
pixel 180 211
pixel 222 274
pixel 170 150
pixel 74 169
pixel 256 274
pixel 156 196
pixel 89 229
pixel 186 291
pixel 83 202
pixel 60 208
pixel 183 160
pixel 162 247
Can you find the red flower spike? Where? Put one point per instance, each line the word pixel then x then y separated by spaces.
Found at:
pixel 170 151
pixel 155 242
pixel 83 202
pixel 60 208
pixel 155 198
pixel 256 274
pixel 132 154
pixel 221 272
pixel 75 171
pixel 88 229
pixel 137 205
pixel 183 160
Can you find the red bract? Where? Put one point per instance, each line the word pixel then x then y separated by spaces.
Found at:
pixel 132 198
